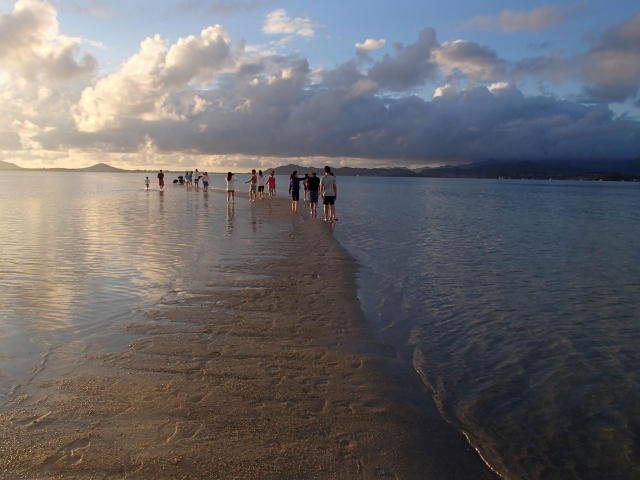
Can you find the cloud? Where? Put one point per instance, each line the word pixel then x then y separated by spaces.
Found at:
pixel 223 7
pixel 611 67
pixel 410 66
pixel 533 21
pixel 203 99
pixel 278 23
pixel 370 44
pixel 142 88
pixel 464 59
pixel 31 45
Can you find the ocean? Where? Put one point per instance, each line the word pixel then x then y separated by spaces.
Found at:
pixel 515 301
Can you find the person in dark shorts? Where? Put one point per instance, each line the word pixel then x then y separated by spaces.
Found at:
pixel 260 185
pixel 313 184
pixel 161 179
pixel 329 192
pixel 306 187
pixel 294 190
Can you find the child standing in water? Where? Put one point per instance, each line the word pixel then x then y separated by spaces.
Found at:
pixel 231 187
pixel 147 182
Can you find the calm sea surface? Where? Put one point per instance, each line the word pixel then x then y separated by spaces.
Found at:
pixel 518 302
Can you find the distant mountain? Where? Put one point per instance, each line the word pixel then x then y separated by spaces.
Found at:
pixel 560 170
pixel 101 167
pixel 6 166
pixel 345 171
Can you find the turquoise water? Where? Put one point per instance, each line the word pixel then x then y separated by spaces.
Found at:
pixel 516 301
pixel 519 304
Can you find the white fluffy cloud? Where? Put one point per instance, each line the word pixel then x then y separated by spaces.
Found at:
pixel 370 44
pixel 532 21
pixel 279 23
pixel 31 45
pixel 142 88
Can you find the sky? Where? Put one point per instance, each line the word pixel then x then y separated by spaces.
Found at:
pixel 238 84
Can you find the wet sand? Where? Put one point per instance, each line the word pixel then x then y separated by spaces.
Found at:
pixel 265 370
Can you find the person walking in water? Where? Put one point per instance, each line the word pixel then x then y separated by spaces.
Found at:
pixel 260 184
pixel 313 184
pixel 205 181
pixel 147 182
pixel 231 187
pixel 294 190
pixel 306 187
pixel 271 183
pixel 253 188
pixel 161 179
pixel 329 192
pixel 196 180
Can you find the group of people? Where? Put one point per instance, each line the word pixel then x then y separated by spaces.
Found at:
pixel 190 179
pixel 314 187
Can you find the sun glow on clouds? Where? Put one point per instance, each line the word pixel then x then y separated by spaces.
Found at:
pixel 205 100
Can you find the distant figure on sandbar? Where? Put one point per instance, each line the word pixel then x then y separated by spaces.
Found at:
pixel 147 182
pixel 253 188
pixel 196 179
pixel 294 190
pixel 231 187
pixel 205 181
pixel 187 179
pixel 313 184
pixel 260 184
pixel 329 192
pixel 161 179
pixel 271 183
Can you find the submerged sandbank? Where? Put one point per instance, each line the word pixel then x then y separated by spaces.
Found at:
pixel 264 370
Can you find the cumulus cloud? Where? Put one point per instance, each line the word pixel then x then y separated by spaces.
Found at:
pixel 279 23
pixel 31 45
pixel 410 66
pixel 462 58
pixel 142 88
pixel 532 21
pixel 370 44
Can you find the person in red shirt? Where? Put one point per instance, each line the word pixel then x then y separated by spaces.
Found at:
pixel 161 179
pixel 271 183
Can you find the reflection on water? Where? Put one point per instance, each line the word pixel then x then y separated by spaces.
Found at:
pixel 519 301
pixel 80 252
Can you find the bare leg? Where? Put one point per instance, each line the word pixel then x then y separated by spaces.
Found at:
pixel 326 213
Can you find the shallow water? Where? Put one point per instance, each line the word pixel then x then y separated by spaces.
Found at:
pixel 84 253
pixel 518 301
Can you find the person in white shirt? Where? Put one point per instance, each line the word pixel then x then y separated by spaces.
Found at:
pixel 231 187
pixel 329 192
pixel 147 182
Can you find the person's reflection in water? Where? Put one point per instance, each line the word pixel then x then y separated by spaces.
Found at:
pixel 252 218
pixel 161 193
pixel 230 213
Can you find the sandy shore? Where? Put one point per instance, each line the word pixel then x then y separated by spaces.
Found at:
pixel 265 370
